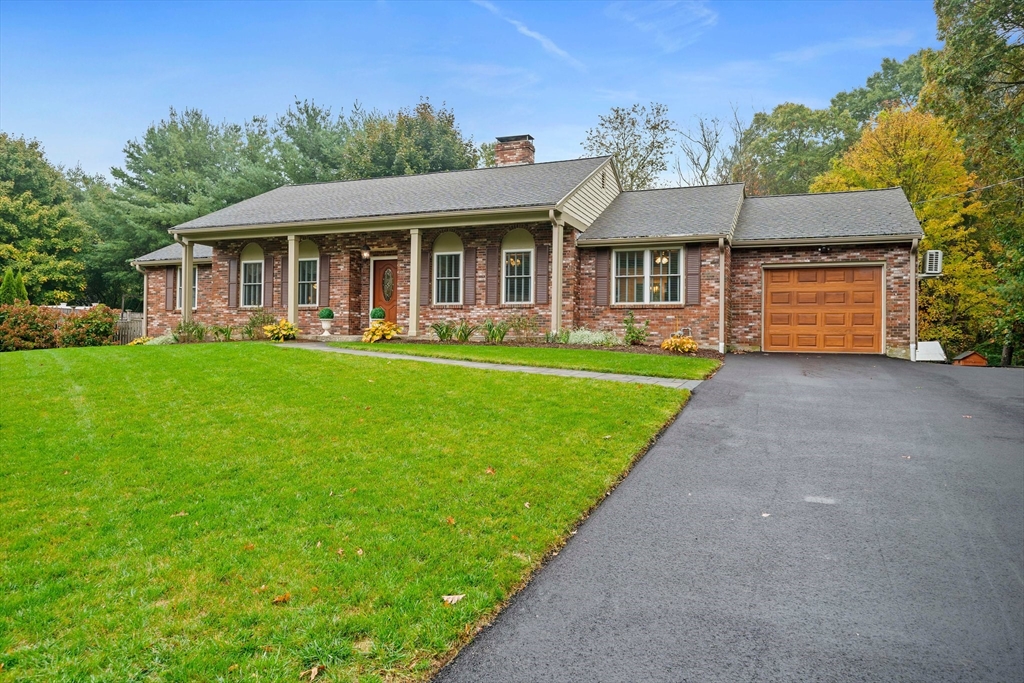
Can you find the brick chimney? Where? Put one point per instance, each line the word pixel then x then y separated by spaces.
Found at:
pixel 513 150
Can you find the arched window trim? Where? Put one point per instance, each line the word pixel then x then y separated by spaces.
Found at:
pixel 448 279
pixel 530 277
pixel 252 278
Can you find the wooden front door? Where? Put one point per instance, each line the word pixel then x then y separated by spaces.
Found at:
pixel 385 288
pixel 832 310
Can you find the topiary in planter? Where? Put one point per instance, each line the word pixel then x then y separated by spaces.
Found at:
pixel 326 314
pixel 377 313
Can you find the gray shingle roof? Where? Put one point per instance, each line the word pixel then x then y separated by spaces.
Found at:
pixel 476 189
pixel 673 212
pixel 865 213
pixel 172 252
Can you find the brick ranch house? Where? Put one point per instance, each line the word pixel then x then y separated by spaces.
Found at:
pixel 560 241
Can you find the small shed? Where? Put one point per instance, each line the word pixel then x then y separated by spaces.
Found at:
pixel 971 358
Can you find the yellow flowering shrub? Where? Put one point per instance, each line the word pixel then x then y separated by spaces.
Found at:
pixel 679 344
pixel 381 330
pixel 281 331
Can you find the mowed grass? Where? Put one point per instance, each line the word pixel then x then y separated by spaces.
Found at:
pixel 648 365
pixel 157 501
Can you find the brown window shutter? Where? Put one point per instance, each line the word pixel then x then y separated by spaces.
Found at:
pixel 268 286
pixel 425 277
pixel 170 287
pixel 233 283
pixel 469 276
pixel 692 254
pixel 543 273
pixel 493 274
pixel 268 279
pixel 323 291
pixel 602 266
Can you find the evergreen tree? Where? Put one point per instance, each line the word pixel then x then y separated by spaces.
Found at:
pixel 7 288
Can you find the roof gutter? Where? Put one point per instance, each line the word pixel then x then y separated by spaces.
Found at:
pixel 640 241
pixel 374 223
pixel 813 241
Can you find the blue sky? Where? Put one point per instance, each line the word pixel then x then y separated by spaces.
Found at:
pixel 86 77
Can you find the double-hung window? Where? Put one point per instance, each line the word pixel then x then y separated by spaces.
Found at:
pixel 518 277
pixel 195 288
pixel 448 278
pixel 308 281
pixel 252 283
pixel 648 276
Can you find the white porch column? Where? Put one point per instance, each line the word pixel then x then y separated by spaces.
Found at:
pixel 414 281
pixel 557 235
pixel 186 280
pixel 293 279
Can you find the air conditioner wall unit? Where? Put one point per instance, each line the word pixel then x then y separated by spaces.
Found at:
pixel 933 262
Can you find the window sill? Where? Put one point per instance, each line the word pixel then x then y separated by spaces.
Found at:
pixel 518 304
pixel 663 304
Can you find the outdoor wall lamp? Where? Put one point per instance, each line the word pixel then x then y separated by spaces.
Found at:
pixel 365 251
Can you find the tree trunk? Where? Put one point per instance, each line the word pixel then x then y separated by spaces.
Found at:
pixel 1007 359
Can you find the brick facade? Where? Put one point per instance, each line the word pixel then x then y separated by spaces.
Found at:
pixel 666 319
pixel 746 288
pixel 349 287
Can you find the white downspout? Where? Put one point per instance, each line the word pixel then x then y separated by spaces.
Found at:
pixel 721 295
pixel 145 299
pixel 913 301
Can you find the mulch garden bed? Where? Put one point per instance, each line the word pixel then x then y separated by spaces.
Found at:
pixel 648 349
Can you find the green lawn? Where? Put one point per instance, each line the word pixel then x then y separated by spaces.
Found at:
pixel 649 365
pixel 156 500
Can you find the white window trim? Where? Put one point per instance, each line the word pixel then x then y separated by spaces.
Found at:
pixel 647 277
pixel 316 283
pixel 195 289
pixel 433 294
pixel 241 284
pixel 533 276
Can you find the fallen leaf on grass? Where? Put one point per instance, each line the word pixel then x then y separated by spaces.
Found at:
pixel 490 470
pixel 261 589
pixel 315 589
pixel 311 674
pixel 451 520
pixel 359 551
pixel 607 436
pixel 341 551
pixel 65 472
pixel 180 514
pixel 364 645
pixel 452 599
pixel 526 505
pixel 233 667
pixel 281 599
pixel 249 546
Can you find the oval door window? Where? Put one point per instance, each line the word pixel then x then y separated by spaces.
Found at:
pixel 388 284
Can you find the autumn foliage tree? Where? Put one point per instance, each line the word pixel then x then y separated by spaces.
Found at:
pixel 917 151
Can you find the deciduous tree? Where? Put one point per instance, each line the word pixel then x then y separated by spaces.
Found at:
pixel 640 138
pixel 918 152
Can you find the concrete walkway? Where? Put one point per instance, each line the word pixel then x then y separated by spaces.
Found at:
pixel 690 384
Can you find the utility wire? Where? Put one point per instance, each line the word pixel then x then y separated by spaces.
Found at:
pixel 977 189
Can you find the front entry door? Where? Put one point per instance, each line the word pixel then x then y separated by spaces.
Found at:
pixel 385 288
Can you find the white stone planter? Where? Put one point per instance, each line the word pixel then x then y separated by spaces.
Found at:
pixel 326 324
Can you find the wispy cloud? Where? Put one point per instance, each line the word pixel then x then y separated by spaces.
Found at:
pixel 855 43
pixel 672 25
pixel 549 45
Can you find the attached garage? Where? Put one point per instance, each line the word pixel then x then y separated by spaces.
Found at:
pixel 827 309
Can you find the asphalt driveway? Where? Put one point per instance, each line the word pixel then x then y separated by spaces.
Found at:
pixel 805 518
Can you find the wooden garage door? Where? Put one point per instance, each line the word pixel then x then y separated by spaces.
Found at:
pixel 835 310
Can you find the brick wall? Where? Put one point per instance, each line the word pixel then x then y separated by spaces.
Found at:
pixel 480 238
pixel 665 319
pixel 159 319
pixel 349 284
pixel 745 285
